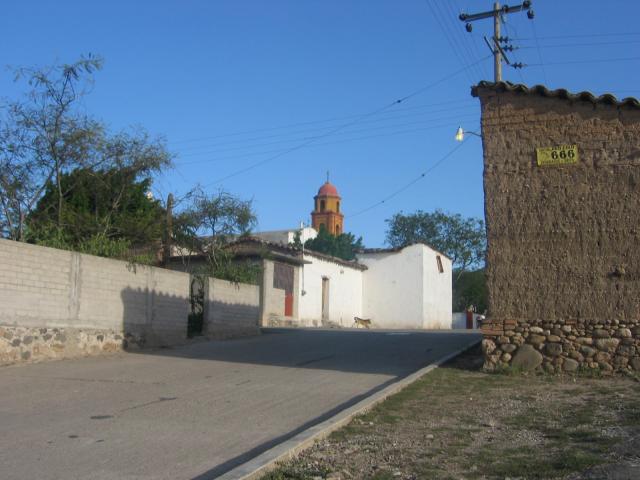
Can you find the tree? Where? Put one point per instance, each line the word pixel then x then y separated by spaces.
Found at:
pixel 41 136
pixel 208 224
pixel 342 246
pixel 46 136
pixel 470 288
pixel 461 239
pixel 112 204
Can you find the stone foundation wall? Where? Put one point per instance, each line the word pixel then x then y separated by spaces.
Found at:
pixel 563 241
pixel 26 344
pixel 563 346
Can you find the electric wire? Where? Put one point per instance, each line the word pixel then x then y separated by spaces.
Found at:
pixel 313 122
pixel 510 28
pixel 574 62
pixel 589 35
pixel 455 32
pixel 336 142
pixel 341 127
pixel 410 183
pixel 486 71
pixel 446 35
pixel 189 151
pixel 590 44
pixel 208 151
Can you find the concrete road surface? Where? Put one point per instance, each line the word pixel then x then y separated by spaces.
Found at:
pixel 194 412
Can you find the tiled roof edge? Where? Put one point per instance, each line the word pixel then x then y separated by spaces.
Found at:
pixel 561 93
pixel 339 261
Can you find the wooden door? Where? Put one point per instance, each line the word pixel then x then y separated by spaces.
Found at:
pixel 283 276
pixel 325 299
pixel 288 304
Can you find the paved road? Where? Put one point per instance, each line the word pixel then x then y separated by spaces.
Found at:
pixel 193 412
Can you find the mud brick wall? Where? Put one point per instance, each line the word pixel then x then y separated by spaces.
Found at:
pixel 563 259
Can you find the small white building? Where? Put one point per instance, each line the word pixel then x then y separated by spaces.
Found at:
pixel 400 288
pixel 409 287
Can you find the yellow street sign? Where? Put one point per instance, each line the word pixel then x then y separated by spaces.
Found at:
pixel 560 155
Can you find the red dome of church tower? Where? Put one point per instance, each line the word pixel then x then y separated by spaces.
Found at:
pixel 328 189
pixel 326 213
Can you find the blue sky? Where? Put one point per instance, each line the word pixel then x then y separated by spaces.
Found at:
pixel 231 84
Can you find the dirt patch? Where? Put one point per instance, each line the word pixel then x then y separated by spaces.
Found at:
pixel 458 422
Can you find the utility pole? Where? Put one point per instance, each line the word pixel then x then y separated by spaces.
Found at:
pixel 496 14
pixel 497 53
pixel 168 231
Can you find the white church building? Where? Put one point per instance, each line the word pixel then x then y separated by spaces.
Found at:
pixel 395 288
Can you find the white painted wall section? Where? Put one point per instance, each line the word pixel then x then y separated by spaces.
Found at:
pixel 405 290
pixel 345 292
pixel 393 290
pixel 437 289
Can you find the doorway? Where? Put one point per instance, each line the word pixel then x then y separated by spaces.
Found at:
pixel 325 299
pixel 283 277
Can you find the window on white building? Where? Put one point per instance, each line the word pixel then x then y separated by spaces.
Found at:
pixel 439 262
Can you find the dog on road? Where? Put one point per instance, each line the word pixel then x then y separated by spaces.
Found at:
pixel 362 322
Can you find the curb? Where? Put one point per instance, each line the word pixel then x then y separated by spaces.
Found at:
pixel 267 461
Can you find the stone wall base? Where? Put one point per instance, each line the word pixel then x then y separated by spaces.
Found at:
pixel 567 345
pixel 31 344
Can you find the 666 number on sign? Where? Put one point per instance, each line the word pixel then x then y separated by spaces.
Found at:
pixel 559 155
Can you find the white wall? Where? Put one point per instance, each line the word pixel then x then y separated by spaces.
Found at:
pixel 393 292
pixel 405 290
pixel 286 237
pixel 345 292
pixel 438 290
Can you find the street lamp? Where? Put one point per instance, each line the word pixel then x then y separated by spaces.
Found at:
pixel 460 134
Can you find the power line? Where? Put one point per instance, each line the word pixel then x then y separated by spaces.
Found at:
pixel 317 129
pixel 486 71
pixel 342 127
pixel 299 139
pixel 572 62
pixel 464 41
pixel 447 20
pixel 409 184
pixel 512 28
pixel 434 7
pixel 401 132
pixel 590 44
pixel 312 122
pixel 588 35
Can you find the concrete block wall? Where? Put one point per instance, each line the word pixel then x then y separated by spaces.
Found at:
pixel 231 309
pixel 272 312
pixel 55 303
pixel 35 285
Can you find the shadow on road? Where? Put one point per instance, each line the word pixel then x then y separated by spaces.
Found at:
pixel 372 352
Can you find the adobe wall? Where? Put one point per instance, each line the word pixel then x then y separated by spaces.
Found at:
pixel 563 258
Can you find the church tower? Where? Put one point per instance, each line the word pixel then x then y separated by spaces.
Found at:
pixel 326 211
